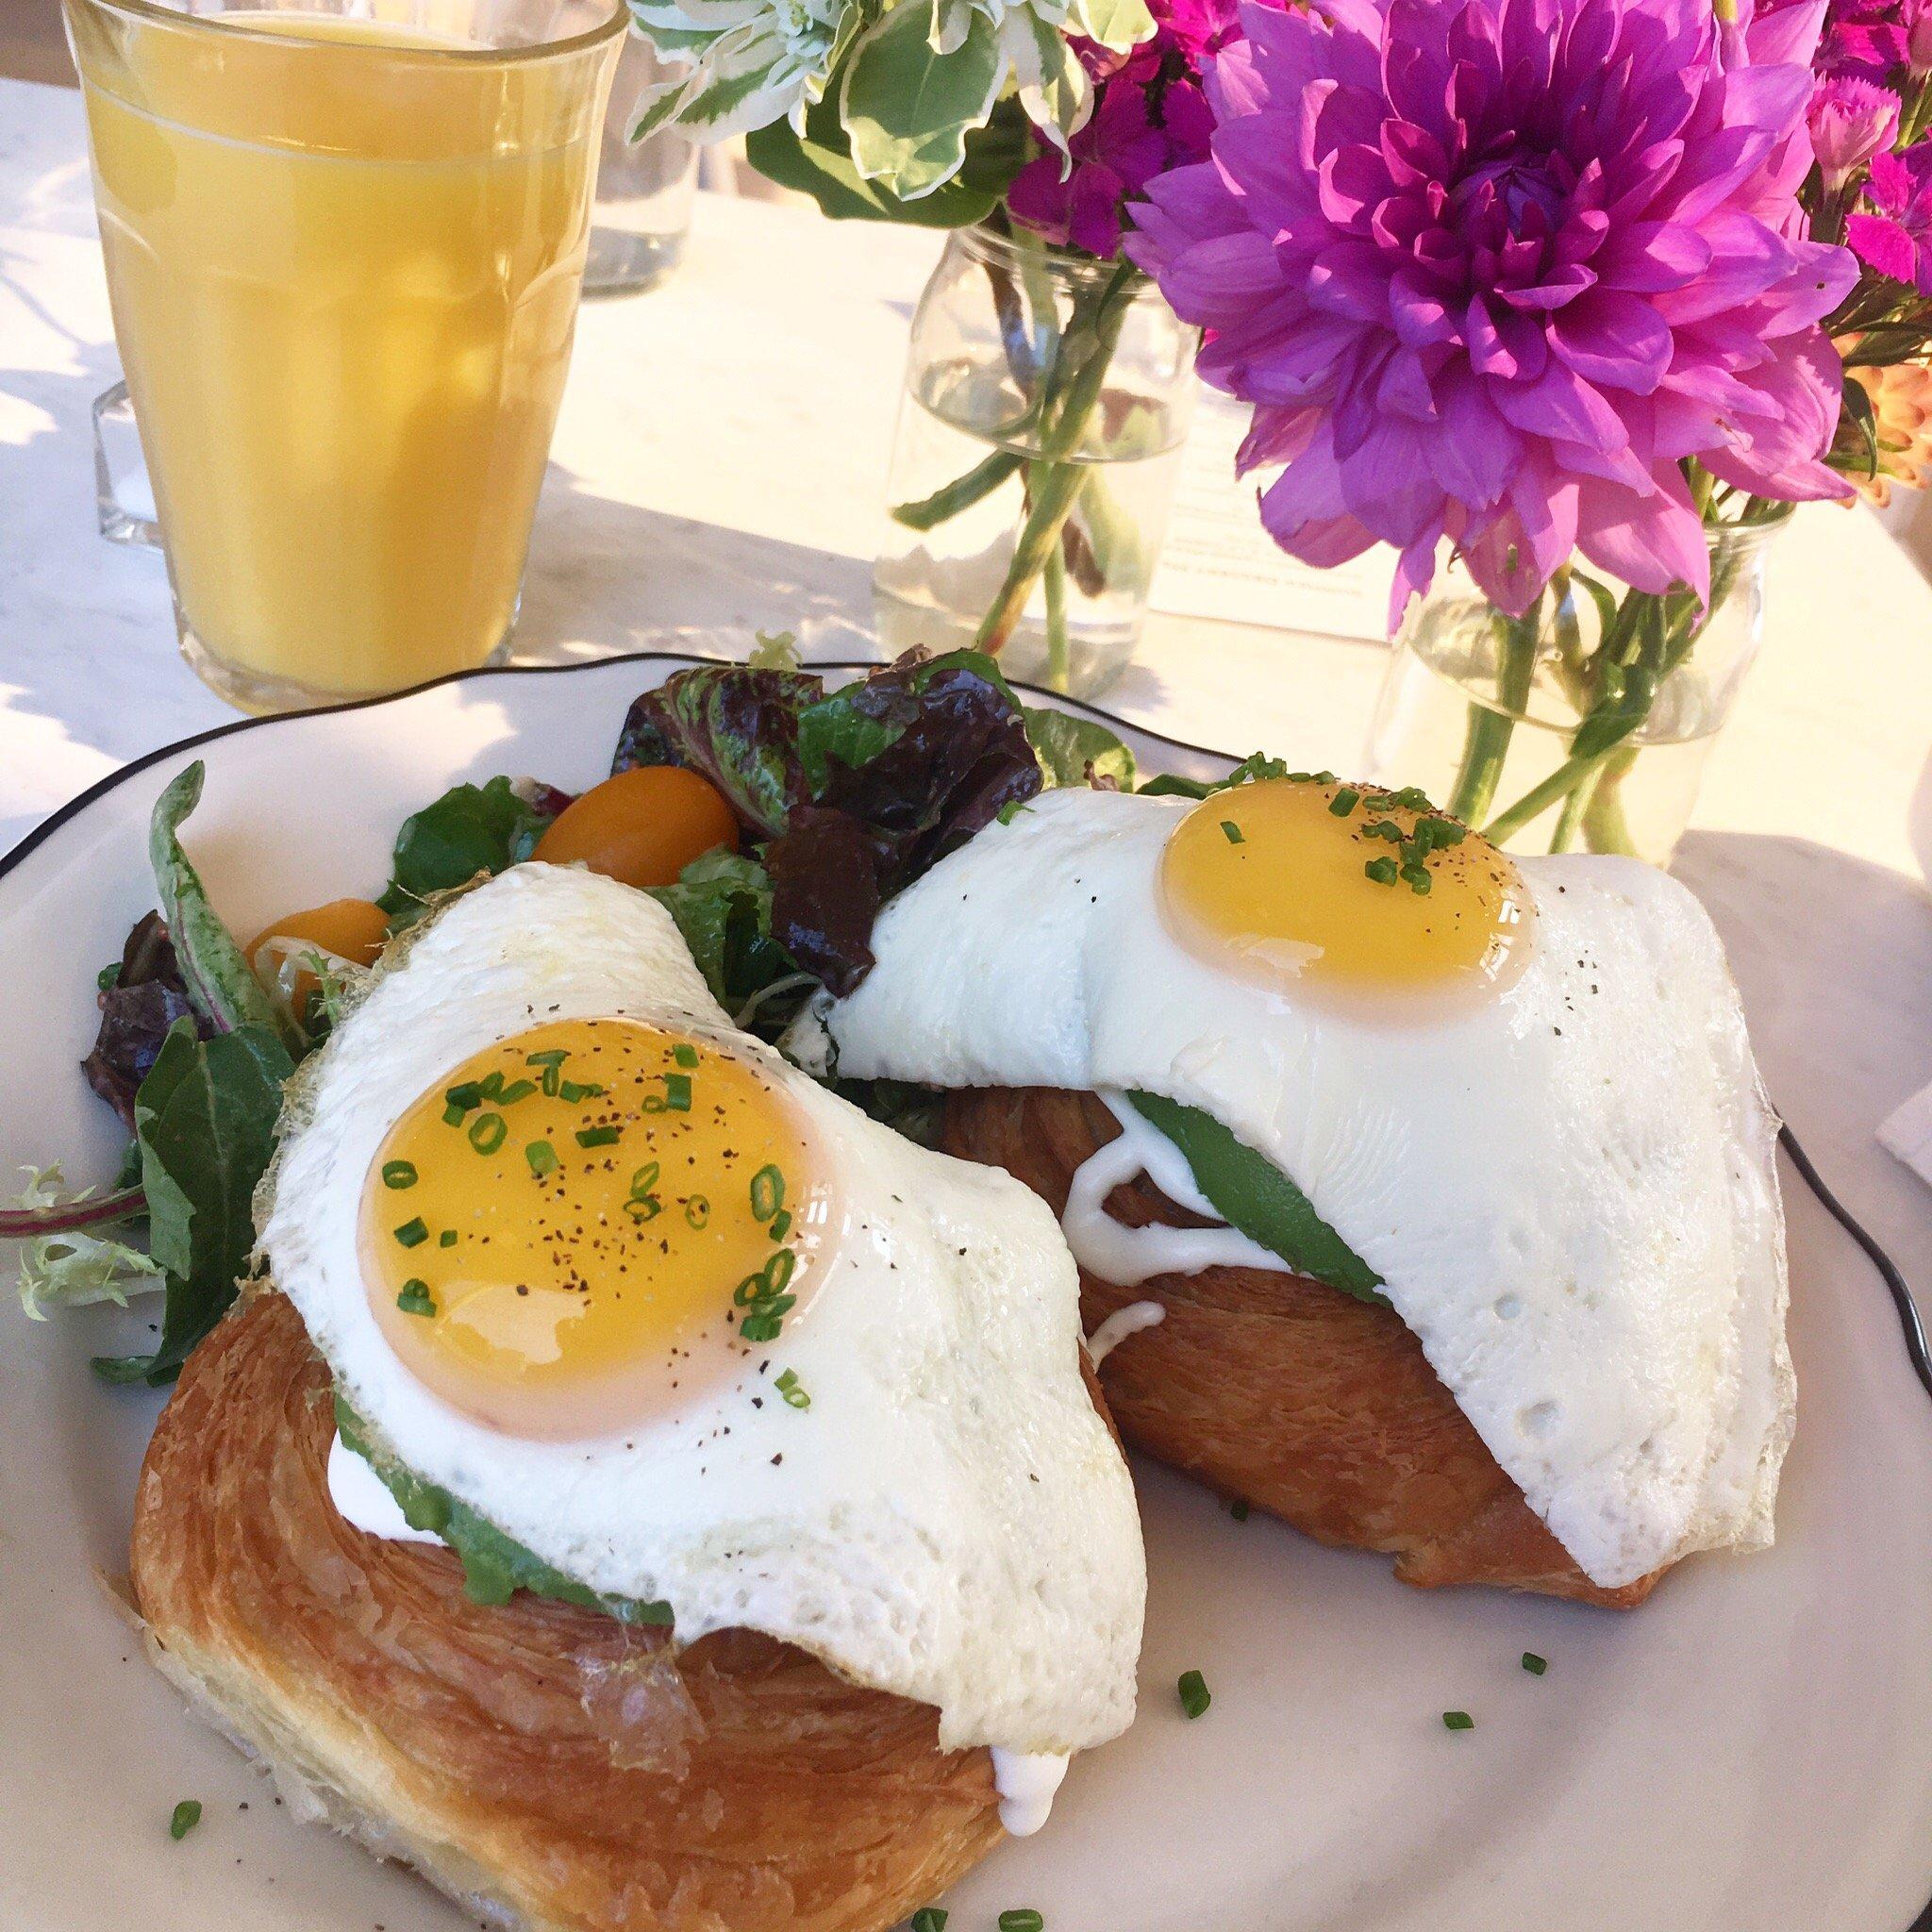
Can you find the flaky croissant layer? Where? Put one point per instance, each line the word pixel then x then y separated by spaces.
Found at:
pixel 1281 1391
pixel 543 1764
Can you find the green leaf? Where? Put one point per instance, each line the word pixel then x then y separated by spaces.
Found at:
pixel 1066 746
pixel 1250 1192
pixel 838 729
pixel 470 829
pixel 723 907
pixel 1252 768
pixel 1117 25
pixel 219 979
pixel 820 164
pixel 908 109
pixel 495 1566
pixel 205 1119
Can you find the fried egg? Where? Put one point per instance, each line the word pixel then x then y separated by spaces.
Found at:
pixel 696 1331
pixel 1521 1093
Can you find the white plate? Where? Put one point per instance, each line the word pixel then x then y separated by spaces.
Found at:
pixel 1751 1751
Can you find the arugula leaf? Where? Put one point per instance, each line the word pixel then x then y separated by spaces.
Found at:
pixel 471 829
pixel 220 982
pixel 1250 1192
pixel 495 1566
pixel 205 1119
pixel 1068 745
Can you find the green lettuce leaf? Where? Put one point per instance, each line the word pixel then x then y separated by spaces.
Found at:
pixel 723 907
pixel 204 1120
pixel 1250 1192
pixel 1067 746
pixel 1255 766
pixel 470 829
pixel 495 1566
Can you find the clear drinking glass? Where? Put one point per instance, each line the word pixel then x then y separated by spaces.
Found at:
pixel 1047 397
pixel 644 189
pixel 343 251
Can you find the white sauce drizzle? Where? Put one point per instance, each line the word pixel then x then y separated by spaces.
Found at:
pixel 1027 1782
pixel 1129 1255
pixel 364 1502
pixel 1123 1323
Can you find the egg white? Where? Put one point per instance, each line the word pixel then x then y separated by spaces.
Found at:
pixel 950 1520
pixel 1570 1189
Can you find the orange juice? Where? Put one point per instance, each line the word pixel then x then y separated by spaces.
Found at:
pixel 343 257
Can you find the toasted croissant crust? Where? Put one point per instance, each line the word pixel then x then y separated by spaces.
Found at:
pixel 1282 1391
pixel 550 1768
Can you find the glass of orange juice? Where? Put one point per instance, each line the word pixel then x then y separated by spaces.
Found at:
pixel 345 240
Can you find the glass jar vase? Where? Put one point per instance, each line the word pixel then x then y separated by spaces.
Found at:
pixel 1047 396
pixel 1585 724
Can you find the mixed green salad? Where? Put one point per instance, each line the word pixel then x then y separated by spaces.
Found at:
pixel 842 798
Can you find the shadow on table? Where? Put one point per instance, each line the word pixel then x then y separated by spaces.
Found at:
pixel 607 576
pixel 1834 958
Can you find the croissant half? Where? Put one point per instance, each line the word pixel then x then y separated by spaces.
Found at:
pixel 1282 1391
pixel 552 1769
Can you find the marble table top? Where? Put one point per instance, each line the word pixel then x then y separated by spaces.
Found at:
pixel 719 467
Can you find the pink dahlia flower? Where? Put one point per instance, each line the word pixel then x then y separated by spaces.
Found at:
pixel 1492 269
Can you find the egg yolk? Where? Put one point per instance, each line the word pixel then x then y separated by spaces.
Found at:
pixel 641 826
pixel 1344 889
pixel 585 1219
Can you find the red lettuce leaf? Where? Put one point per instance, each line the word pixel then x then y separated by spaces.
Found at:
pixel 140 1000
pixel 852 792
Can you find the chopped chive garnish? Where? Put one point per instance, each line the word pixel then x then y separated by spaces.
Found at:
pixel 1534 1664
pixel 787 1386
pixel 643 1205
pixel 1022 1919
pixel 1344 801
pixel 516 1090
pixel 453 1114
pixel 781 1225
pixel 398 1173
pixel 598 1137
pixel 415 1298
pixel 1233 833
pixel 490 1086
pixel 697 1211
pixel 412 1234
pixel 1195 1696
pixel 487 1132
pixel 1381 870
pixel 574 1090
pixel 542 1157
pixel 676 1093
pixel 550 1061
pixel 447 1238
pixel 184 1818
pixel 927 1919
pixel 767 1191
pixel 1457 1720
pixel 685 1055
pixel 1238 1509
pixel 465 1095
